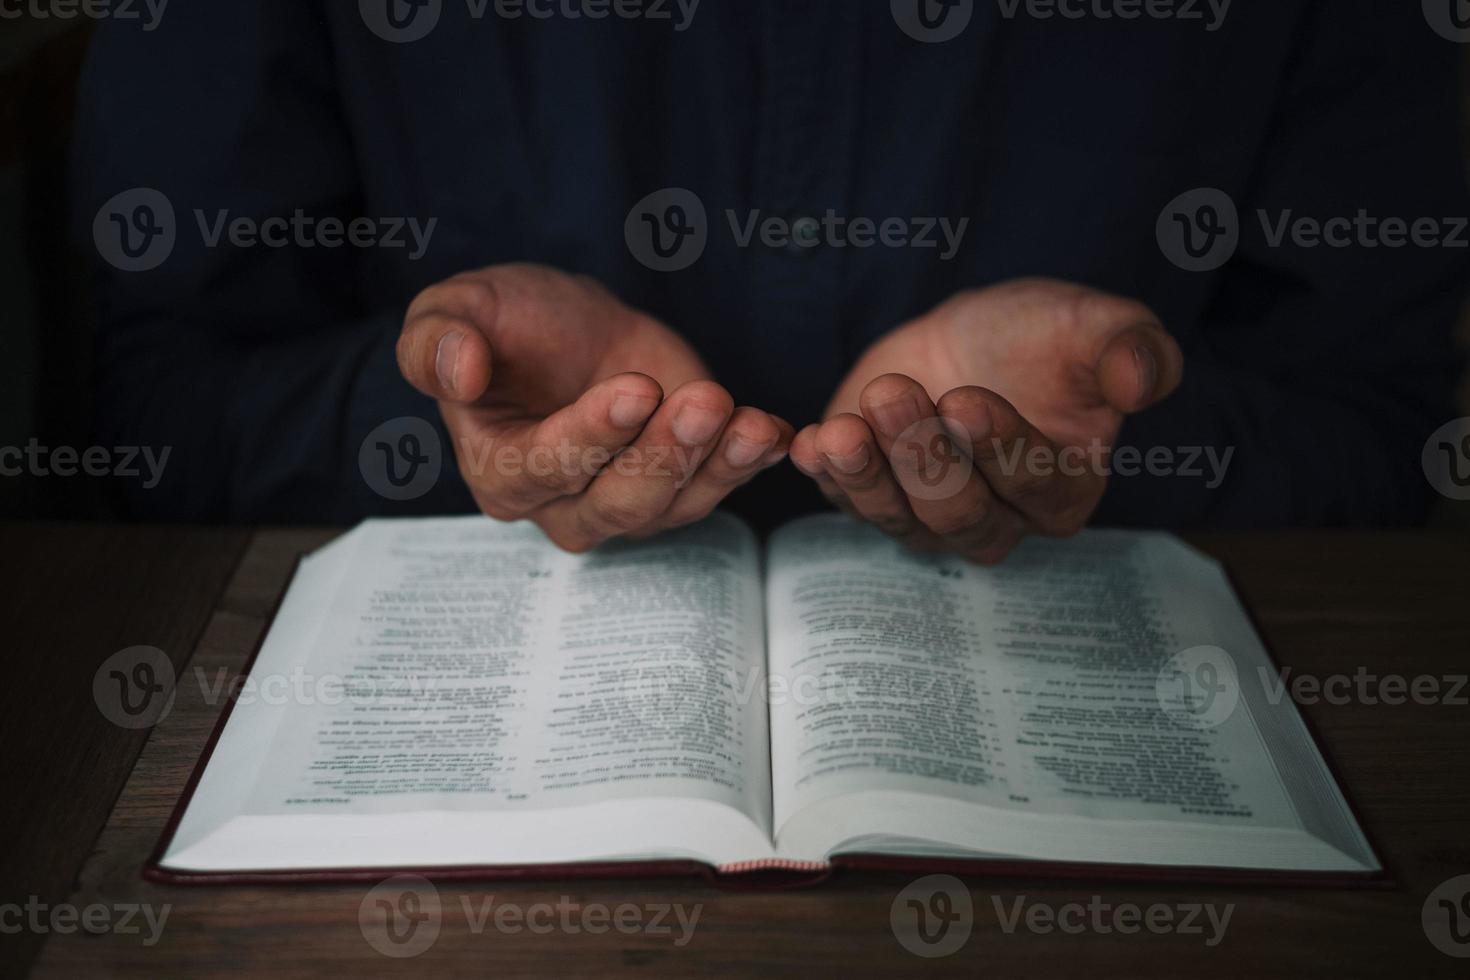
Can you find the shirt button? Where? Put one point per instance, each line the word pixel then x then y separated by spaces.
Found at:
pixel 806 233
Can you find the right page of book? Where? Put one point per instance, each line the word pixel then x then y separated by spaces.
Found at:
pixel 1099 699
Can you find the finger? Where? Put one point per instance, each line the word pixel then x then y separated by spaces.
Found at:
pixel 1055 489
pixel 518 466
pixel 951 498
pixel 807 458
pixel 860 470
pixel 634 490
pixel 752 441
pixel 929 456
pixel 444 356
pixel 910 435
pixel 1138 367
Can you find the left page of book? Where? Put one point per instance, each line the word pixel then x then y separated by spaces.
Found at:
pixel 457 691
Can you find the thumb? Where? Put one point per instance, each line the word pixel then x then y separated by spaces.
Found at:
pixel 540 327
pixel 1139 366
pixel 443 354
pixel 444 357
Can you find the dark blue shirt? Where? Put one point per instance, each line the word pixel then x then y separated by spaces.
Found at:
pixel 1061 142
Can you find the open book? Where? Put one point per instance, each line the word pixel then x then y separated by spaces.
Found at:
pixel 456 693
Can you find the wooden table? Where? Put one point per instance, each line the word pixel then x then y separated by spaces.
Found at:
pixel 1390 603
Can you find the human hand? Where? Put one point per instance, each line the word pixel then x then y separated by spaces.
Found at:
pixel 569 408
pixel 979 422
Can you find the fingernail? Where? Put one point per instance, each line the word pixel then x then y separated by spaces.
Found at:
pixel 850 463
pixel 773 457
pixel 895 415
pixel 446 361
pixel 629 409
pixel 808 470
pixel 1148 373
pixel 741 452
pixel 695 424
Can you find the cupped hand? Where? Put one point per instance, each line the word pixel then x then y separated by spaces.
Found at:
pixel 575 411
pixel 991 416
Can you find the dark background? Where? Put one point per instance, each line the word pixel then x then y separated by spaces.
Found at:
pixel 45 342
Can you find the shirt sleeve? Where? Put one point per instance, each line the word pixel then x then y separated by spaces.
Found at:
pixel 261 369
pixel 1323 368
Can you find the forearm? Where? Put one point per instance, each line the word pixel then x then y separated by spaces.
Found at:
pixel 265 431
pixel 1239 449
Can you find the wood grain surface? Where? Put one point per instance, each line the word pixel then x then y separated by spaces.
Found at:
pixel 1329 603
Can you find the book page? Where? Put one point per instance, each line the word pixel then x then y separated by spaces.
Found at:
pixel 467 668
pixel 1032 689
